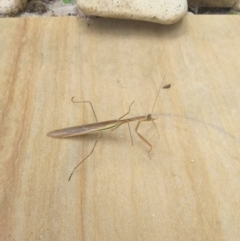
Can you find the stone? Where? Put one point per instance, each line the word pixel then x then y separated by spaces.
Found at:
pixel 12 6
pixel 158 11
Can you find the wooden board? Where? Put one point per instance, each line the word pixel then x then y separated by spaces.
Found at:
pixel 188 190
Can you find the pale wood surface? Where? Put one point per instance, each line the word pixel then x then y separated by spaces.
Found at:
pixel 189 190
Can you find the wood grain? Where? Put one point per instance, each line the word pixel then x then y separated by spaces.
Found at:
pixel 189 190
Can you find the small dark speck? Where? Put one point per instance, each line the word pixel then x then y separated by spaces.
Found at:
pixel 168 86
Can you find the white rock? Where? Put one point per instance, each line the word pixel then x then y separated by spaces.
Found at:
pixel 12 6
pixel 158 11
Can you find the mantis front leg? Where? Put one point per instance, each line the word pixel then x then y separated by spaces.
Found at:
pixel 142 138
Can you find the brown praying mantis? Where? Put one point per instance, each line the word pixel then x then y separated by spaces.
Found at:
pixel 98 127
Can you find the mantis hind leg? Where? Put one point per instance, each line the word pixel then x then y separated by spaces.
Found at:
pixel 86 101
pixel 91 152
pixel 141 137
pixel 85 158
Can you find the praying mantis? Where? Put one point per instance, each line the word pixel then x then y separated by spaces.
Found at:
pixel 98 127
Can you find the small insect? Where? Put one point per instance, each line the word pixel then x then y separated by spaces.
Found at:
pixel 98 127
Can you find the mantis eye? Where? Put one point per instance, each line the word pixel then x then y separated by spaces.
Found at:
pixel 149 117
